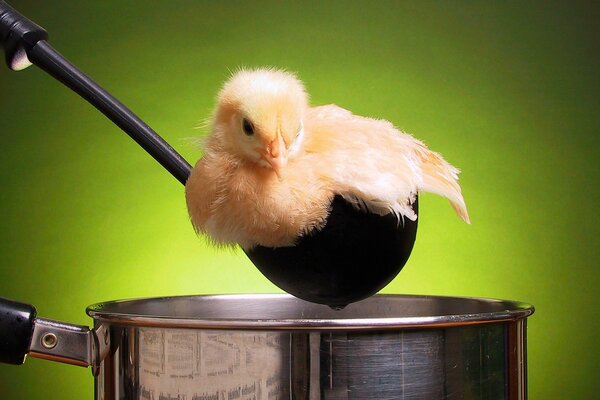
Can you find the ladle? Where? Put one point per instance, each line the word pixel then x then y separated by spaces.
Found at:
pixel 354 256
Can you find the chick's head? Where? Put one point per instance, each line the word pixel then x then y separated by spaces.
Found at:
pixel 259 116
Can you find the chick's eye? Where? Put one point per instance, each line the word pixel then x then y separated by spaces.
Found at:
pixel 247 127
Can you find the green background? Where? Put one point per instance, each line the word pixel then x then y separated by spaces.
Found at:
pixel 507 91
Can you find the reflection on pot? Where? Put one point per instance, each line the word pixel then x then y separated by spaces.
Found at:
pixel 465 362
pixel 205 365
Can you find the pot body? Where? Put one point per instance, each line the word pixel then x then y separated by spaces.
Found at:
pixel 399 350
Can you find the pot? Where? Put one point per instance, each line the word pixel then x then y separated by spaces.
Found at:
pixel 280 347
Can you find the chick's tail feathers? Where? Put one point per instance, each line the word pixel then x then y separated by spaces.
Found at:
pixel 441 178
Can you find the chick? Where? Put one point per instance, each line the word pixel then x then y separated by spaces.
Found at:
pixel 272 165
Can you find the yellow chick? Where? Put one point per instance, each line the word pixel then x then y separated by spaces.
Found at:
pixel 273 164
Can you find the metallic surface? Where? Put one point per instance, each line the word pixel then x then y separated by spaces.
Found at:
pixel 69 343
pixel 287 312
pixel 278 347
pixel 57 341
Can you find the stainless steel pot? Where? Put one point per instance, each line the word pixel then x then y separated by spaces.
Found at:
pixel 279 347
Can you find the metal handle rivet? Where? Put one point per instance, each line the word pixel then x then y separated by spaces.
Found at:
pixel 49 340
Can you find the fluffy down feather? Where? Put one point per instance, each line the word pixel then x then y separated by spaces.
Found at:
pixel 272 164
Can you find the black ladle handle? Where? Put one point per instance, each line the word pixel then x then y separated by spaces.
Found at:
pixel 17 321
pixel 18 35
pixel 25 41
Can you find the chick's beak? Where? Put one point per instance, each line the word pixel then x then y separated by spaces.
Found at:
pixel 276 154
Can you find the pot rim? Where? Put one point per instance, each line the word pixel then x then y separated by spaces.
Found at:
pixel 285 312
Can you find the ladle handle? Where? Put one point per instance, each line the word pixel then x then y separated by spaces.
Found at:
pixel 18 35
pixel 25 42
pixel 17 321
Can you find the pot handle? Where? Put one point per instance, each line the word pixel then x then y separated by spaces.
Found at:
pixel 17 321
pixel 22 333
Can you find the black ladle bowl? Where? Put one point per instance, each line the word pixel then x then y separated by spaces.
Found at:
pixel 352 257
